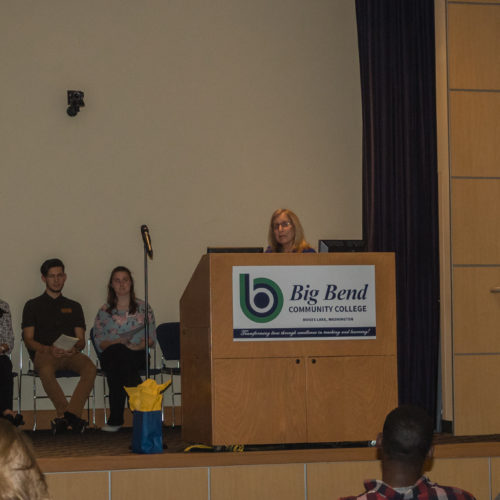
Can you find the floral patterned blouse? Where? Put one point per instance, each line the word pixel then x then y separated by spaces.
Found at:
pixel 120 324
pixel 6 333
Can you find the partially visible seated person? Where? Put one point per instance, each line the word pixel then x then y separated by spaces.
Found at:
pixel 405 443
pixel 20 476
pixel 6 377
pixel 119 333
pixel 286 234
pixel 45 319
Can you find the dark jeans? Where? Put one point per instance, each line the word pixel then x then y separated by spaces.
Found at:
pixel 6 383
pixel 122 366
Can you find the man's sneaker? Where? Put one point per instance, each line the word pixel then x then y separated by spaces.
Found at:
pixel 59 425
pixel 77 424
pixel 111 428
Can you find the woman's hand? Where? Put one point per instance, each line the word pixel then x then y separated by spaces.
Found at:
pixel 137 347
pixel 106 343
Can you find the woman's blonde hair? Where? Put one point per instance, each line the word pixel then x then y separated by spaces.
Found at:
pixel 299 243
pixel 20 476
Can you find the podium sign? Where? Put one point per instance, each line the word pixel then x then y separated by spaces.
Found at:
pixel 276 303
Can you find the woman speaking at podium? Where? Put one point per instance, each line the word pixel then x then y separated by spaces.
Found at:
pixel 286 234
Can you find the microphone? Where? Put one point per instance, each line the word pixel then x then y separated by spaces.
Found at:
pixel 147 240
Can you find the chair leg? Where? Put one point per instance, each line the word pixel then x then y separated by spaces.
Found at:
pixel 173 398
pixel 104 400
pixel 34 403
pixel 88 409
pixel 19 382
pixel 162 406
pixel 93 406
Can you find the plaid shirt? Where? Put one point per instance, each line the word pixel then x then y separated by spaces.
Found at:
pixel 6 333
pixel 423 489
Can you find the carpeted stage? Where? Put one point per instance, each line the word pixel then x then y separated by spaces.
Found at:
pixel 95 442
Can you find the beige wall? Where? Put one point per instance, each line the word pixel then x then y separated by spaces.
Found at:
pixel 201 118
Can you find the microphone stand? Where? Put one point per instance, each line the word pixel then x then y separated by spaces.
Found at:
pixel 146 305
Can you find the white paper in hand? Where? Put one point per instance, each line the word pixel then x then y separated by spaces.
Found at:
pixel 65 342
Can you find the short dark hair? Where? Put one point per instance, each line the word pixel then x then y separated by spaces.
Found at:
pixel 49 263
pixel 407 434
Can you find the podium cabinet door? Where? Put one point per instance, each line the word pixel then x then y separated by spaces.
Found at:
pixel 349 397
pixel 259 401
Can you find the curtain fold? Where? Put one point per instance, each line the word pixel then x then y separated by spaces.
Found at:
pixel 400 195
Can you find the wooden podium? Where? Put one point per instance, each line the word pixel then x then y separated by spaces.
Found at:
pixel 284 391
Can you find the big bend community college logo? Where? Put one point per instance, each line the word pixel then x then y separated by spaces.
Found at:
pixel 303 302
pixel 262 300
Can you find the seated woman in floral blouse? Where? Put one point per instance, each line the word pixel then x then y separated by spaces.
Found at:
pixel 6 377
pixel 119 333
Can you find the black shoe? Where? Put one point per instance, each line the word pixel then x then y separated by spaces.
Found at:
pixel 59 425
pixel 77 424
pixel 18 420
pixel 8 417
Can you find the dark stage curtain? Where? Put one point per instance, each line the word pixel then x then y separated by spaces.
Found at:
pixel 400 205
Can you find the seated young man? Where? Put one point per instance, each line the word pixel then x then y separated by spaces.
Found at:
pixel 45 318
pixel 406 442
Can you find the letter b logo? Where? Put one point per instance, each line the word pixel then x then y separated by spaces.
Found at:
pixel 263 302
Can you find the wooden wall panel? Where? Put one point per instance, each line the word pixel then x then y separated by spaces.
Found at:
pixel 167 484
pixel 474 46
pixel 331 480
pixel 79 486
pixel 476 310
pixel 325 480
pixel 328 481
pixel 476 225
pixel 474 133
pixel 477 394
pixel 470 474
pixel 484 1
pixel 473 49
pixel 271 482
pixel 495 477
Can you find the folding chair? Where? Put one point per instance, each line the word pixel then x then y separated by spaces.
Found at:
pixel 100 373
pixel 18 396
pixel 168 337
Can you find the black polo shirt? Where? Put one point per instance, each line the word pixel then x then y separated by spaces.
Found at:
pixel 52 317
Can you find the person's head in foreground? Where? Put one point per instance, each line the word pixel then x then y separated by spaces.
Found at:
pixel 20 476
pixel 405 444
pixel 286 233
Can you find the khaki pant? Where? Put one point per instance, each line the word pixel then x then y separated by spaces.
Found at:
pixel 46 365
